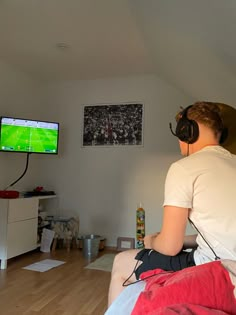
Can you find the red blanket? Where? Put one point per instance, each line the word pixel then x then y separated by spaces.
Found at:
pixel 204 289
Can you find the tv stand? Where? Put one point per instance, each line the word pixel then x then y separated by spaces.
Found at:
pixel 35 193
pixel 18 226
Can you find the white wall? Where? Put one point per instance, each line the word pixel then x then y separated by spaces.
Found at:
pixel 20 96
pixel 103 185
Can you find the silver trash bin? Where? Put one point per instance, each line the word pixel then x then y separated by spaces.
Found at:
pixel 91 245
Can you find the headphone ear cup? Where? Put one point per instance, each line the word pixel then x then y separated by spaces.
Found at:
pixel 183 130
pixel 195 131
pixel 224 135
pixel 187 130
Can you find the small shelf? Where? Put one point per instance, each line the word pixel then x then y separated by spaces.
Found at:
pixel 39 197
pixel 46 197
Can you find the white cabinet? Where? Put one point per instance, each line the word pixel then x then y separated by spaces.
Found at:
pixel 18 226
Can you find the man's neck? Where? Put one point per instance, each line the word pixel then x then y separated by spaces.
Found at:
pixel 195 147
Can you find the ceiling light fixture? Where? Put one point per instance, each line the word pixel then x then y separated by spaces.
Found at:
pixel 62 46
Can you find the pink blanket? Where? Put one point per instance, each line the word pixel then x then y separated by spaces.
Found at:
pixel 204 289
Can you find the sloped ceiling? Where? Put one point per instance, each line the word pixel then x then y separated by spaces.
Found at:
pixel 189 43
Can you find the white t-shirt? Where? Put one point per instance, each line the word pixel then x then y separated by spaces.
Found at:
pixel 205 182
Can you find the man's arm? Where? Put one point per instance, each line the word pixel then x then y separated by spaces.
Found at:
pixel 170 240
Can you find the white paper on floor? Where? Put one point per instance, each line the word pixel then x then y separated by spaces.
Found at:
pixel 46 241
pixel 44 265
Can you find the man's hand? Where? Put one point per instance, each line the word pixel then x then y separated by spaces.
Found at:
pixel 148 240
pixel 190 241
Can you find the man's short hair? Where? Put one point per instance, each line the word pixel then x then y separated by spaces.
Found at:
pixel 207 114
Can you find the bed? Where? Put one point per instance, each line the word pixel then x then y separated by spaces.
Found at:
pixel 204 289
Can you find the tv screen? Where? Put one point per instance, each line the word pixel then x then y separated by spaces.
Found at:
pixel 31 136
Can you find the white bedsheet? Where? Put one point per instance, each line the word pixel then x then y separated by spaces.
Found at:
pixel 125 302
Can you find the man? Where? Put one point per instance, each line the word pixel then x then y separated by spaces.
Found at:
pixel 200 188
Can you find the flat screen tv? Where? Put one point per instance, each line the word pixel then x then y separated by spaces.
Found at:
pixel 30 136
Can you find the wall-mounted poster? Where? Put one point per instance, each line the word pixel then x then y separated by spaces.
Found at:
pixel 113 124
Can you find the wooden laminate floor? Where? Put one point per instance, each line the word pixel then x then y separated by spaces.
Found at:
pixel 65 290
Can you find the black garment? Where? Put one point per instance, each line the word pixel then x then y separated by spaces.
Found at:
pixel 153 260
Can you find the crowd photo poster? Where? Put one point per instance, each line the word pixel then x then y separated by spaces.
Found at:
pixel 113 124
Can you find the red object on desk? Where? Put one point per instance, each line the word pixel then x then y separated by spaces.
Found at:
pixel 39 188
pixel 9 194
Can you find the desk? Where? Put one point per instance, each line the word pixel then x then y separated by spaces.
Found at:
pixel 18 226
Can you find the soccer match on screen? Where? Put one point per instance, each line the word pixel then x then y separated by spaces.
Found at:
pixel 28 136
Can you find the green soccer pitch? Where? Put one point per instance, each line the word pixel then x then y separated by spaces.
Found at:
pixel 28 139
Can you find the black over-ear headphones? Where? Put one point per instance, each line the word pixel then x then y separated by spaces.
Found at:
pixel 187 130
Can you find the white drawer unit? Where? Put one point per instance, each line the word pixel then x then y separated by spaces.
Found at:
pixel 22 209
pixel 21 237
pixel 18 227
